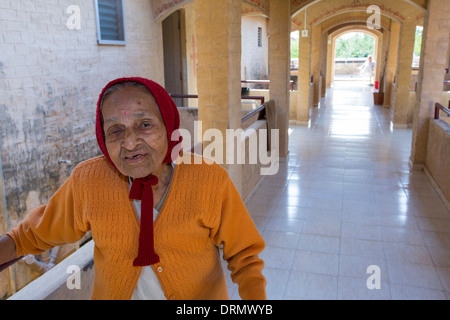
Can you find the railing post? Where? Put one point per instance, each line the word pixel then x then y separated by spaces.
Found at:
pixel 438 107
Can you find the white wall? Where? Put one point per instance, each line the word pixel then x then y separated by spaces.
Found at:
pixel 254 60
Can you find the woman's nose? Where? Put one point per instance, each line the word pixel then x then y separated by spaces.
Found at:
pixel 130 140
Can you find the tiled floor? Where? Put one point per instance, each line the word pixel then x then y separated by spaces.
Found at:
pixel 346 200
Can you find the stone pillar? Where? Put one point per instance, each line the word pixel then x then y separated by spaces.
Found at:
pixel 384 53
pixel 279 66
pixel 391 61
pixel 315 62
pixel 383 59
pixel 333 64
pixel 402 111
pixel 218 28
pixel 433 61
pixel 330 60
pixel 323 64
pixel 304 77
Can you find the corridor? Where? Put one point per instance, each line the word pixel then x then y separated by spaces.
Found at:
pixel 346 202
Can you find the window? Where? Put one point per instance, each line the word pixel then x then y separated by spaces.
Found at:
pixel 110 22
pixel 259 37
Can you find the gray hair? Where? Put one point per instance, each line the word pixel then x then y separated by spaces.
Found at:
pixel 122 86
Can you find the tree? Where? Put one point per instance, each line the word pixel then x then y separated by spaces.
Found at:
pixel 418 41
pixel 294 44
pixel 355 45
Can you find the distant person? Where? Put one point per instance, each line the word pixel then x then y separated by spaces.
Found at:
pixel 195 209
pixel 368 69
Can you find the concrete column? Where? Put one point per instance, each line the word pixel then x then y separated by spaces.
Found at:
pixel 304 77
pixel 383 58
pixel 218 27
pixel 333 65
pixel 391 61
pixel 330 60
pixel 315 62
pixel 402 110
pixel 378 57
pixel 323 64
pixel 433 61
pixel 384 53
pixel 279 66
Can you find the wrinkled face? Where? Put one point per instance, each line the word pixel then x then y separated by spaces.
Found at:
pixel 135 134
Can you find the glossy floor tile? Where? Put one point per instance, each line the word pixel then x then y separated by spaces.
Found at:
pixel 344 218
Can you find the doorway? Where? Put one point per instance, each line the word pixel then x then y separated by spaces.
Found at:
pixel 174 52
pixel 352 53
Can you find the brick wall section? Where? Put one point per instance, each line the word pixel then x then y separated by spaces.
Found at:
pixel 50 78
pixel 434 59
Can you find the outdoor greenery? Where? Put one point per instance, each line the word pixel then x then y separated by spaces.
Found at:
pixel 294 45
pixel 418 42
pixel 356 45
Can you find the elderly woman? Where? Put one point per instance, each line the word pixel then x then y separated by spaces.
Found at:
pixel 156 223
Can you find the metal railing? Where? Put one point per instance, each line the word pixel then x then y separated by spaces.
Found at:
pixel 438 108
pixel 446 83
pixel 266 82
pixel 261 108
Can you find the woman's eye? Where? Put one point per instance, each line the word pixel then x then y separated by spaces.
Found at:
pixel 114 131
pixel 146 125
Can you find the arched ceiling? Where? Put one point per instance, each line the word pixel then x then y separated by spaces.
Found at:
pixel 341 30
pixel 261 6
pixel 163 8
pixel 297 5
pixel 355 17
pixel 250 9
pixel 318 11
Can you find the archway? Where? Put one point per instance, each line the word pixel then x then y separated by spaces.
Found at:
pixel 350 50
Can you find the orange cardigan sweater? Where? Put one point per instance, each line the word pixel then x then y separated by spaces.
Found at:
pixel 202 211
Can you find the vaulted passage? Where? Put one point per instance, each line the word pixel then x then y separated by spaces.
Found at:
pixel 344 201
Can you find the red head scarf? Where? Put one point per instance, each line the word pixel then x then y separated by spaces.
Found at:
pixel 141 188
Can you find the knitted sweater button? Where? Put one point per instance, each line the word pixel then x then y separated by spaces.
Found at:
pixel 172 297
pixel 159 269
